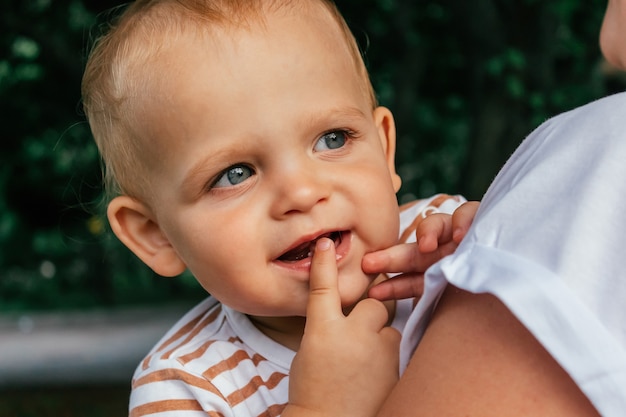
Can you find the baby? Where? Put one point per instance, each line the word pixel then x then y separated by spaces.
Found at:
pixel 237 136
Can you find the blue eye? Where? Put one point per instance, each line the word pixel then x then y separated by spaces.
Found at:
pixel 233 176
pixel 331 140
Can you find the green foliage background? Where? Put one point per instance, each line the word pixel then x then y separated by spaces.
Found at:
pixel 467 80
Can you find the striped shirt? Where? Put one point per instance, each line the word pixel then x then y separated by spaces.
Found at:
pixel 215 363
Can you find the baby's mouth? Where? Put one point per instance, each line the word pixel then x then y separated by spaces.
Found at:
pixel 305 250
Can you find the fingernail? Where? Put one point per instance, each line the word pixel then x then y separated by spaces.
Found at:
pixel 323 244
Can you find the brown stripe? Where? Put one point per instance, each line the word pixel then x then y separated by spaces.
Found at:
pixel 172 374
pixel 231 363
pixel 182 331
pixel 257 359
pixel 202 349
pixel 406 233
pixel 253 386
pixel 196 353
pixel 439 200
pixel 194 332
pixel 168 405
pixel 408 205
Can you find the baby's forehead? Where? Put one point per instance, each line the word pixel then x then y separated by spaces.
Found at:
pixel 156 53
pixel 159 30
pixel 167 55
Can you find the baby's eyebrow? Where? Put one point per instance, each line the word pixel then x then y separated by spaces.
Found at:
pixel 336 114
pixel 194 179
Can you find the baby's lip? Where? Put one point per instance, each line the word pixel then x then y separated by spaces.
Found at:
pixel 304 249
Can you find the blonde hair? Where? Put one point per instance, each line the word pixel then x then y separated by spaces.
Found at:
pixel 133 39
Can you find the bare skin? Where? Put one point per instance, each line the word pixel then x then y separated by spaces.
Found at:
pixel 476 359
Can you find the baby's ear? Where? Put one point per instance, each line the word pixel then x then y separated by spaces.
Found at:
pixel 133 224
pixel 387 133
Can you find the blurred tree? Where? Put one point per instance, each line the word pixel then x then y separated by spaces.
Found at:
pixel 54 251
pixel 466 81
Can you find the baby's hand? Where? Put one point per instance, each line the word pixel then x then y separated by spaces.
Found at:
pixel 437 235
pixel 346 365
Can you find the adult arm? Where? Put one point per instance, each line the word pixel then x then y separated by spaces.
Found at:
pixel 476 359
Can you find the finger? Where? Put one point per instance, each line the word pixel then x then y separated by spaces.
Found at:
pixel 397 288
pixel 403 258
pixel 462 219
pixel 433 230
pixel 392 335
pixel 370 312
pixel 324 301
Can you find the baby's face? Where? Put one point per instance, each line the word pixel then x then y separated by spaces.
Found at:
pixel 265 142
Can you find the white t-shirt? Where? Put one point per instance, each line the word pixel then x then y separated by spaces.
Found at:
pixel 549 241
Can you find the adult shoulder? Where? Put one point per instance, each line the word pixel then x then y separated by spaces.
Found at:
pixel 477 359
